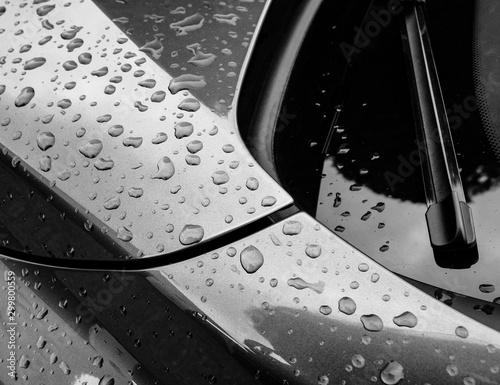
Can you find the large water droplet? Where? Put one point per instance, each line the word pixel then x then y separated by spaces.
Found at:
pixel 191 234
pixel 158 96
pixel 292 228
pixel 220 177
pixel 112 203
pixel 251 259
pixel 160 138
pixel 34 63
pixel 372 322
pixel 74 44
pixel 188 24
pixel 325 310
pixel 166 169
pixel 183 129
pixel 193 160
pixel 462 332
pixel 70 65
pixel 200 59
pixel 392 373
pixel 44 9
pixel 148 83
pixel 347 305
pixel 45 140
pixel 132 142
pixel 91 149
pixel 486 288
pixel 252 184
pixel 64 103
pixel 186 82
pixel 85 58
pixel 115 130
pixel 194 146
pixel 135 192
pixel 71 33
pixel 104 164
pixel 100 72
pixel 124 234
pixel 313 251
pixel 407 319
pixel 27 93
pixel 45 163
pixel 189 105
pixel 299 284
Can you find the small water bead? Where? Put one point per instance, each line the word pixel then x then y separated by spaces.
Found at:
pixel 220 177
pixel 375 277
pixel 132 141
pixel 100 72
pixel 45 140
pixel 292 227
pixel 273 282
pixel 313 251
pixel 452 370
pixel 112 203
pixel 115 130
pixel 386 297
pixel 267 201
pixel 252 184
pixel 124 234
pixel 354 285
pixel 189 105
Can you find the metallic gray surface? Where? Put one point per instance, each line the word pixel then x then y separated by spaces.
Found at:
pixel 226 190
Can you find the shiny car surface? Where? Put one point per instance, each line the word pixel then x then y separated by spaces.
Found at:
pixel 234 192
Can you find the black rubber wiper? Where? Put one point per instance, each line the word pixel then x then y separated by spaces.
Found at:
pixel 449 218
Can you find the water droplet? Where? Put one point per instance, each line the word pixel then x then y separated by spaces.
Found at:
pixel 347 305
pixel 407 319
pixel 469 381
pixel 313 251
pixel 74 44
pixel 132 142
pixel 165 168
pixel 188 24
pixel 135 192
pixel 158 96
pixel 44 9
pixel 189 105
pixel 363 267
pixel 71 33
pixel 160 138
pixel 358 361
pixel 325 310
pixel 45 40
pixel 24 362
pixel 64 103
pixel 230 18
pixel 486 288
pixel 384 248
pixel 85 58
pixel 34 63
pixel 91 149
pixel 372 322
pixel 186 82
pixel 115 130
pixel 375 277
pixel 323 380
pixel 300 284
pixel 191 234
pixel 252 184
pixel 251 259
pixel 80 132
pixel 112 203
pixel 183 129
pixel 109 89
pixel 100 72
pixel 27 93
pixel 40 343
pixel 148 83
pixel 194 146
pixel 220 177
pixel 366 216
pixel 45 140
pixel 65 368
pixel 392 373
pixel 292 228
pixel 462 332
pixel 193 160
pixel 63 175
pixel 124 234
pixel 69 65
pixel 106 380
pixel 104 164
pixel 380 206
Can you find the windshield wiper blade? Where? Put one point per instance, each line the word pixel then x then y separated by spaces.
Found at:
pixel 449 218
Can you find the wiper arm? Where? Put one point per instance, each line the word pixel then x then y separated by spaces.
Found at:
pixel 449 218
